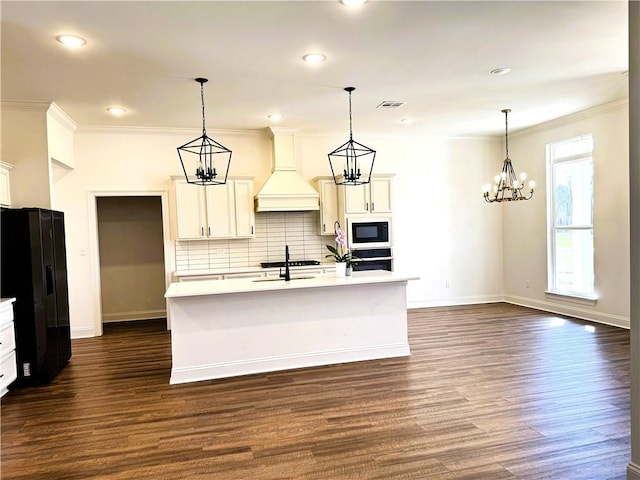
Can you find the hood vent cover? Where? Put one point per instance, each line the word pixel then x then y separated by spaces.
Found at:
pixel 285 190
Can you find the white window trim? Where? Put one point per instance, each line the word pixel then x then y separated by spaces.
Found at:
pixel 578 298
pixel 572 297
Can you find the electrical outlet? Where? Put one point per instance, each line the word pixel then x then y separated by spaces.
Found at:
pixel 527 284
pixel 447 283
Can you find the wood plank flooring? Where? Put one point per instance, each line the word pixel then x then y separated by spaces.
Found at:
pixel 490 392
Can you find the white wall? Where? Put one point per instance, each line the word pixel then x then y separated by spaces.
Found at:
pixel 443 230
pixel 443 233
pixel 60 130
pixel 123 160
pixel 525 223
pixel 24 145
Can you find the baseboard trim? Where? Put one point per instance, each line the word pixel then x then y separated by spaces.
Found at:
pixel 83 332
pixel 633 471
pixel 571 311
pixel 133 316
pixel 447 302
pixel 271 364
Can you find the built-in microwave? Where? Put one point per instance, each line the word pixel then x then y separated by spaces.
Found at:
pixel 368 232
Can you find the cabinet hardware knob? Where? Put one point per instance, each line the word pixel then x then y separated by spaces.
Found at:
pixel 202 229
pixel 372 206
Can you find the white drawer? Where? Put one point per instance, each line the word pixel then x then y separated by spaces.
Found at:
pixel 6 313
pixel 8 371
pixel 7 339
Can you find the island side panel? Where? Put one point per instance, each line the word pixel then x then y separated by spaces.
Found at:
pixel 215 336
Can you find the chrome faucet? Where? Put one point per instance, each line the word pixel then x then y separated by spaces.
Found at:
pixel 287 273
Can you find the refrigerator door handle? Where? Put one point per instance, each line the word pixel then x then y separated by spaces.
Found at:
pixel 49 279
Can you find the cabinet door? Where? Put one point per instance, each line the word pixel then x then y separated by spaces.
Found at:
pixel 245 216
pixel 221 221
pixel 356 199
pixel 328 206
pixel 190 209
pixel 380 197
pixel 5 189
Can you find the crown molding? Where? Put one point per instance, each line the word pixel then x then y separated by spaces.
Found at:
pixel 131 130
pixel 62 117
pixel 572 117
pixel 24 105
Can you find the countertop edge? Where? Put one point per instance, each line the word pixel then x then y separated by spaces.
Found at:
pixel 247 285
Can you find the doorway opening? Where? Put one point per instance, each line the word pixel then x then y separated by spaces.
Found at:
pixel 132 258
pixel 131 250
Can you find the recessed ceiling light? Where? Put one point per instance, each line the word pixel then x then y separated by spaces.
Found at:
pixel 117 111
pixel 500 71
pixel 276 117
pixel 314 58
pixel 350 3
pixel 71 40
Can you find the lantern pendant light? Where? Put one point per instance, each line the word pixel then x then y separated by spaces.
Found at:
pixel 507 187
pixel 357 166
pixel 209 160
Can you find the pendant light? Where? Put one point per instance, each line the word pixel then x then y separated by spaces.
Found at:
pixel 209 160
pixel 357 166
pixel 507 187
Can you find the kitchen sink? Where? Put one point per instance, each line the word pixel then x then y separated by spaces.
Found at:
pixel 276 279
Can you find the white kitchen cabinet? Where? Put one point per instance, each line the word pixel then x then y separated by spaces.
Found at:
pixel 244 212
pixel 8 362
pixel 374 197
pixel 328 191
pixel 196 277
pixel 220 211
pixel 5 185
pixel 228 276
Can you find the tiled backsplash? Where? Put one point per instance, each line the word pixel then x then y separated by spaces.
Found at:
pixel 274 230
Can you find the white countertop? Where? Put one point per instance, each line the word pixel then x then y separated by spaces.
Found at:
pixel 244 285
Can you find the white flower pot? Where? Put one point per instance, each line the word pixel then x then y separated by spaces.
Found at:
pixel 341 269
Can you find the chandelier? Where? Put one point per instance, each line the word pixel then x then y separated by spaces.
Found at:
pixel 209 160
pixel 357 166
pixel 507 187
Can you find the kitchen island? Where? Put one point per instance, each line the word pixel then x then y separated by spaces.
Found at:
pixel 225 328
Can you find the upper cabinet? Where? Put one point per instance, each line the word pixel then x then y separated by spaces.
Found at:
pixel 329 213
pixel 374 197
pixel 244 213
pixel 5 186
pixel 220 211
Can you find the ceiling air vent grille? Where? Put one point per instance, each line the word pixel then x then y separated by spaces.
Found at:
pixel 390 105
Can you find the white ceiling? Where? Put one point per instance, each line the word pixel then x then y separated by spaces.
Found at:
pixel 565 56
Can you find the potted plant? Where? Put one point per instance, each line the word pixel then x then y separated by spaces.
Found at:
pixel 343 257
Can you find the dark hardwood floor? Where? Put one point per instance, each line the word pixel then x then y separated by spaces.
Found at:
pixel 490 392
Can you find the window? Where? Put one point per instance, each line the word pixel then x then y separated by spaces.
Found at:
pixel 570 217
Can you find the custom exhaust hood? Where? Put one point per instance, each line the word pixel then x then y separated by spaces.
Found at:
pixel 285 190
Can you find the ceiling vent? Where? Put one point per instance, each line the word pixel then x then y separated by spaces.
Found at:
pixel 389 105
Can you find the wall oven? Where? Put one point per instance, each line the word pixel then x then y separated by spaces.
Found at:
pixel 367 232
pixel 373 259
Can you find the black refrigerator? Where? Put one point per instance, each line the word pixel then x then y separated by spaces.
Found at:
pixel 34 270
